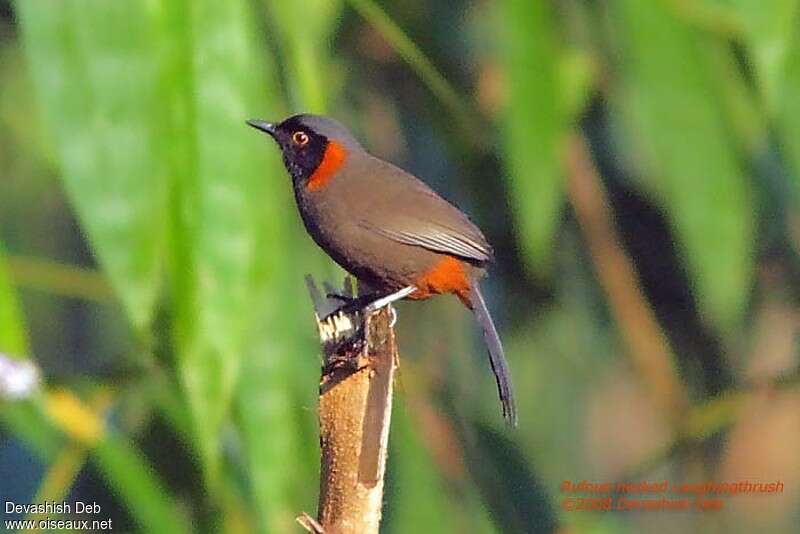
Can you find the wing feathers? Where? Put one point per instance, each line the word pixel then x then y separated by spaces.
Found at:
pixel 428 221
pixel 438 239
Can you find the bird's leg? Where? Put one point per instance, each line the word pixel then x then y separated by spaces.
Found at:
pixel 368 303
pixel 376 305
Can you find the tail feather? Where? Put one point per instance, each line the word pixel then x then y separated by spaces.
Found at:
pixel 497 357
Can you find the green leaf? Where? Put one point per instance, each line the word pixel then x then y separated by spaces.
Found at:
pixel 126 470
pixel 430 75
pixel 218 201
pixel 741 105
pixel 282 453
pixel 22 418
pixel 675 116
pixel 716 16
pixel 93 69
pixel 277 395
pixel 788 116
pixel 279 354
pixel 212 187
pixel 770 28
pixel 306 27
pixel 534 124
pixel 129 473
pixel 13 338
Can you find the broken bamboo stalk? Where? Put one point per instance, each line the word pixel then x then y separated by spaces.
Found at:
pixel 355 404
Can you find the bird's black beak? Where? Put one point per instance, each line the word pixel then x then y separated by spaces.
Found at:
pixel 264 126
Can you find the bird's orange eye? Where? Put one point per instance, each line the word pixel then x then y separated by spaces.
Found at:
pixel 300 138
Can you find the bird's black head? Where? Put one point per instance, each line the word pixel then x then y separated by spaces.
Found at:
pixel 304 141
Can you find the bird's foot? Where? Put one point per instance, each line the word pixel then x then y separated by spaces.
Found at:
pixel 351 304
pixel 342 318
pixel 369 304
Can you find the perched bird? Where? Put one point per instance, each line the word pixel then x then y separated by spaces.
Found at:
pixel 385 226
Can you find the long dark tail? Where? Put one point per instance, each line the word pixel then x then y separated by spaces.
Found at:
pixel 497 357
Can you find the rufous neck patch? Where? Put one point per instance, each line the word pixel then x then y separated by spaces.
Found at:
pixel 332 160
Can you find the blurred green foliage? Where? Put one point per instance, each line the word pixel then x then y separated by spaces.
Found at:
pixel 124 152
pixel 12 332
pixel 667 88
pixel 532 60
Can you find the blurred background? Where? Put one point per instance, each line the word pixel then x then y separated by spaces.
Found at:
pixel 635 165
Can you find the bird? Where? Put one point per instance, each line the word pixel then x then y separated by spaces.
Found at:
pixel 386 227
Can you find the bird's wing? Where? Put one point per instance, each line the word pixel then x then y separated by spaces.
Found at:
pixel 410 212
pixel 433 237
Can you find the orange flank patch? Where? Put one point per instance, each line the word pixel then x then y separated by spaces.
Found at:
pixel 447 276
pixel 334 156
